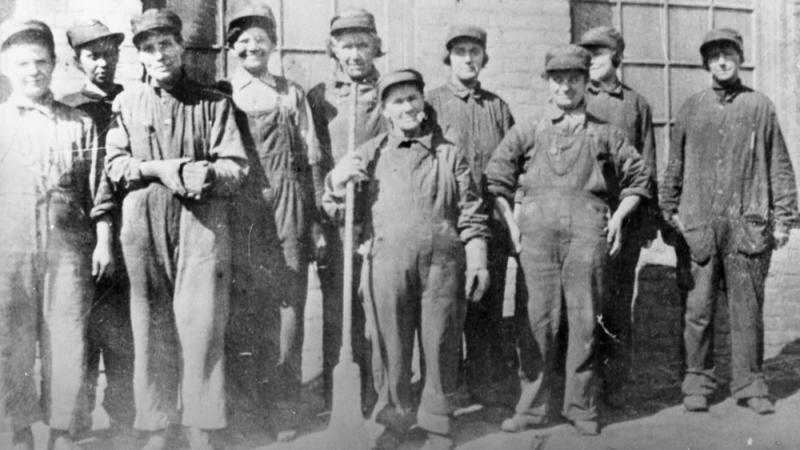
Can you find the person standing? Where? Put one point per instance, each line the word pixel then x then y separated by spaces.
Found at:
pixel 730 191
pixel 280 125
pixel 476 120
pixel 353 45
pixel 176 153
pixel 96 53
pixel 580 179
pixel 608 99
pixel 47 180
pixel 421 213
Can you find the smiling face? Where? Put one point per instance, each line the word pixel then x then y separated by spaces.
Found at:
pixel 253 48
pixel 29 69
pixel 602 68
pixel 467 58
pixel 403 107
pixel 567 88
pixel 161 54
pixel 356 52
pixel 98 60
pixel 723 61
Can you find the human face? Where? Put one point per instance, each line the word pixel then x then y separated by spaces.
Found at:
pixel 723 62
pixel 403 107
pixel 253 48
pixel 567 88
pixel 162 57
pixel 98 60
pixel 602 68
pixel 356 52
pixel 29 69
pixel 466 60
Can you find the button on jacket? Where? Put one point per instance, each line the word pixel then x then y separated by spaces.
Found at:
pixel 728 160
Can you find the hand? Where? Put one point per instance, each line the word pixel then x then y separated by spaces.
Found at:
pixel 168 172
pixel 781 238
pixel 102 261
pixel 477 284
pixel 197 177
pixel 675 221
pixel 349 168
pixel 614 236
pixel 516 237
pixel 320 244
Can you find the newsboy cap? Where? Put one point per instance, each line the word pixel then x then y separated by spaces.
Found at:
pixel 89 31
pixel 155 19
pixel 14 27
pixel 603 37
pixel 399 77
pixel 721 35
pixel 353 19
pixel 567 57
pixel 473 32
pixel 252 14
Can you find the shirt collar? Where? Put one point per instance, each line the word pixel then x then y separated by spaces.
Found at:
pixel 556 114
pixel 727 92
pixel 342 79
pixel 176 87
pixel 45 106
pixel 242 78
pixel 93 91
pixel 425 140
pixel 463 92
pixel 595 88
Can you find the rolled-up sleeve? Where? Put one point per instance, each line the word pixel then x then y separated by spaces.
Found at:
pixel 635 175
pixel 227 152
pixel 472 218
pixel 505 166
pixel 122 168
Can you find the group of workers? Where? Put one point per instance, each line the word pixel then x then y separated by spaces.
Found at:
pixel 168 227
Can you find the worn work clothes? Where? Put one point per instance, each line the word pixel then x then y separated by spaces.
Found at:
pixel 177 251
pixel 47 166
pixel 421 207
pixel 331 104
pixel 627 110
pixel 109 329
pixel 730 181
pixel 570 168
pixel 476 120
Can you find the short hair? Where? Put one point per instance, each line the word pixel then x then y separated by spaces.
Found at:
pixel 455 41
pixel 720 45
pixel 376 41
pixel 34 37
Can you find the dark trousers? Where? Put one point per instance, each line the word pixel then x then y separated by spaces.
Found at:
pixel 743 277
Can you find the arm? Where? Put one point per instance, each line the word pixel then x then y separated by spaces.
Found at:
pixel 505 166
pixel 782 181
pixel 352 166
pixel 671 187
pixel 635 184
pixel 228 159
pixel 505 211
pixel 473 229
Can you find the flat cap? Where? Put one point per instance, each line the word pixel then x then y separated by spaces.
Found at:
pixel 249 15
pixel 155 19
pixel 567 57
pixel 399 77
pixel 353 19
pixel 603 37
pixel 10 28
pixel 723 35
pixel 89 31
pixel 465 31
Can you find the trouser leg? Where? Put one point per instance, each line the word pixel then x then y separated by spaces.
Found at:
pixel 68 292
pixel 442 310
pixel 148 235
pixel 537 340
pixel 19 312
pixel 201 302
pixel 698 333
pixel 744 280
pixel 583 277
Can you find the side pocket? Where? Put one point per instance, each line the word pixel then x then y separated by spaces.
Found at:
pixel 752 234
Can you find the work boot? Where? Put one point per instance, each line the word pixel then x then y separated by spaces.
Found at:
pixel 586 427
pixel 60 440
pixel 521 422
pixel 437 441
pixel 695 403
pixel 22 439
pixel 760 405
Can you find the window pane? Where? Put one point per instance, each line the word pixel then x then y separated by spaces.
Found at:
pixel 648 81
pixel 641 26
pixel 744 3
pixel 687 26
pixel 661 150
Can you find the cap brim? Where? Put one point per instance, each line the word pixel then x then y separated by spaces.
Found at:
pixel 118 38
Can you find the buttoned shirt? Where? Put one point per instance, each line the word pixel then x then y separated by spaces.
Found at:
pixel 624 171
pixel 188 120
pixel 728 160
pixel 414 184
pixel 475 120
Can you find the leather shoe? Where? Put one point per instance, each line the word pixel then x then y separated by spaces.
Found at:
pixel 519 422
pixel 586 427
pixel 695 403
pixel 760 405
